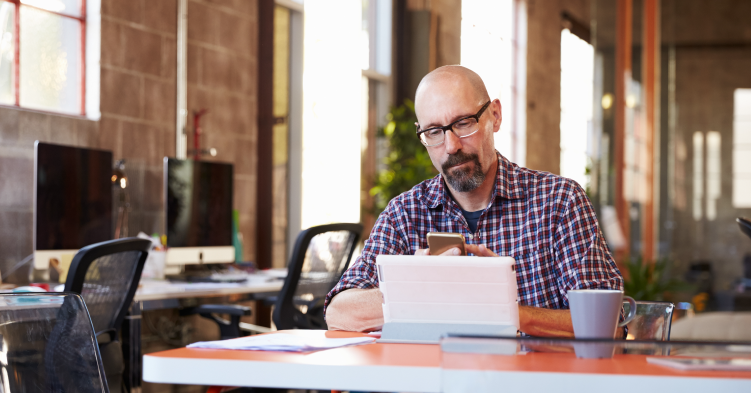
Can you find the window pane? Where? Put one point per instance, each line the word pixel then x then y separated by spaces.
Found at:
pixel 489 24
pixel 7 52
pixel 68 7
pixel 50 61
pixel 365 37
pixel 383 40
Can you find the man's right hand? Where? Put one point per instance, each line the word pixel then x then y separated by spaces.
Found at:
pixel 448 253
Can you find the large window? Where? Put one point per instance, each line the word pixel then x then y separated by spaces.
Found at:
pixel 375 61
pixel 42 54
pixel 331 143
pixel 501 25
pixel 577 63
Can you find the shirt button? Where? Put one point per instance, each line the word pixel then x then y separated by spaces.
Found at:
pixel 479 234
pixel 470 236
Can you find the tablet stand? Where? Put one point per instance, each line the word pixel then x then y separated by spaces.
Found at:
pixel 431 333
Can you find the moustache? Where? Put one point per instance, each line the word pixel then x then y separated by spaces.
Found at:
pixel 459 158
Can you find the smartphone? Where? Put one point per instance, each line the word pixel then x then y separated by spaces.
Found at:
pixel 440 242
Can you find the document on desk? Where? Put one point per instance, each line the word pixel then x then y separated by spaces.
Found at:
pixel 283 342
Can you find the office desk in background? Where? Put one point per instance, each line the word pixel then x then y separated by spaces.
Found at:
pixel 421 368
pixel 159 294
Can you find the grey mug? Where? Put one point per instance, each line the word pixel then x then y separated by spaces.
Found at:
pixel 594 314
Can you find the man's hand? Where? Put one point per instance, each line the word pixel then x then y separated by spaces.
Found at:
pixel 448 253
pixel 478 250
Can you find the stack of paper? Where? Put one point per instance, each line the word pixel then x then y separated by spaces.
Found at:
pixel 282 342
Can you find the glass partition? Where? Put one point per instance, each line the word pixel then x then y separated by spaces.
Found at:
pixel 672 136
pixel 491 364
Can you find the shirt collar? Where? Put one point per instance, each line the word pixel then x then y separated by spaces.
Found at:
pixel 507 184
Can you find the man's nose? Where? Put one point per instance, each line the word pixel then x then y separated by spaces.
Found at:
pixel 453 143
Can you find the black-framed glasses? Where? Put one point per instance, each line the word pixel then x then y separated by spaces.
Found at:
pixel 462 128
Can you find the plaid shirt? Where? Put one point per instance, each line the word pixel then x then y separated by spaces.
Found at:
pixel 544 221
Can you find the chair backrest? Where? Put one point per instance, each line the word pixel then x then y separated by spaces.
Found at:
pixel 48 345
pixel 319 259
pixel 745 225
pixel 106 275
pixel 652 320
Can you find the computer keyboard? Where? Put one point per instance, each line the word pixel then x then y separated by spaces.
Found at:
pixel 210 276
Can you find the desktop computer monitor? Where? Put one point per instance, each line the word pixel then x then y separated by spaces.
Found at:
pixel 72 200
pixel 198 199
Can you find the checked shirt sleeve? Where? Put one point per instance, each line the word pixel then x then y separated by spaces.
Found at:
pixel 582 257
pixel 384 239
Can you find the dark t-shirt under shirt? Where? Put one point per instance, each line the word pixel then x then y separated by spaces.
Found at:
pixel 472 219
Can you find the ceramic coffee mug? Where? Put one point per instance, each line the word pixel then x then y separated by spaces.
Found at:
pixel 594 314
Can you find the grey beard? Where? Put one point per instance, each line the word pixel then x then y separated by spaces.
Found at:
pixel 463 180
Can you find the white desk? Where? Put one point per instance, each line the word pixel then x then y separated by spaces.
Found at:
pixel 423 368
pixel 150 290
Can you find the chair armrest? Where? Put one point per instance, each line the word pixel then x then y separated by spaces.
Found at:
pixel 227 329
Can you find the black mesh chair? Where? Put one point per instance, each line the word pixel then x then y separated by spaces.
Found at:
pixel 48 345
pixel 320 256
pixel 106 275
pixel 745 225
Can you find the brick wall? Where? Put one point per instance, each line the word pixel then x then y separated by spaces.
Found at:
pixel 138 76
pixel 138 67
pixel 19 129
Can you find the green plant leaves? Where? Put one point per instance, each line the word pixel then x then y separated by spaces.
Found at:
pixel 407 162
pixel 649 281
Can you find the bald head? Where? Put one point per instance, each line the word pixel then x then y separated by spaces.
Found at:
pixel 452 79
pixel 445 96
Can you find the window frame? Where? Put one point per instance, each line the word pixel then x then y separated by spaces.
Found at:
pixel 17 53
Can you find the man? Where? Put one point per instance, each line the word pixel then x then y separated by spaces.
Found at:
pixel 545 222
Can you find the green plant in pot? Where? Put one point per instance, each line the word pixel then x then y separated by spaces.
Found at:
pixel 407 162
pixel 649 281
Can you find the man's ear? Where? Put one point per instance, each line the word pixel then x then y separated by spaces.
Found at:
pixel 495 111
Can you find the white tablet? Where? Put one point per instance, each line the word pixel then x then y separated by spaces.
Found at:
pixel 448 290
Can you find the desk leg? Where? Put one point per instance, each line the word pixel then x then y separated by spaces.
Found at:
pixel 132 348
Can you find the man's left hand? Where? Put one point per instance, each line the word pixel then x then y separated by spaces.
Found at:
pixel 479 250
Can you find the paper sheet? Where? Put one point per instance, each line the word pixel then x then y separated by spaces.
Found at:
pixel 282 342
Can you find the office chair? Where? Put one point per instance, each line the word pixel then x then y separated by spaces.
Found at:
pixel 745 225
pixel 106 275
pixel 652 320
pixel 319 258
pixel 48 345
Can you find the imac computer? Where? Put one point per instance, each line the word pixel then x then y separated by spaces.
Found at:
pixel 72 200
pixel 198 199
